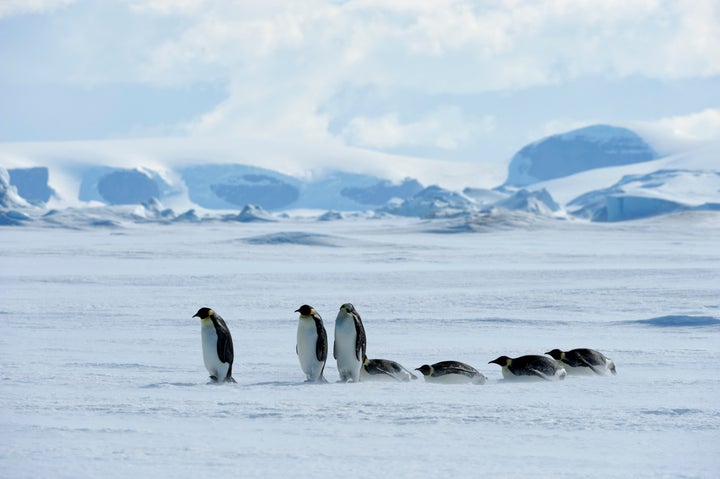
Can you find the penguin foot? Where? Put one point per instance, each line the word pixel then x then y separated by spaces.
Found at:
pixel 214 378
pixel 230 379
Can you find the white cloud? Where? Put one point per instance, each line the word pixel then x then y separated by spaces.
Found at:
pixel 9 8
pixel 443 45
pixel 701 126
pixel 677 133
pixel 446 128
pixel 283 61
pixel 168 7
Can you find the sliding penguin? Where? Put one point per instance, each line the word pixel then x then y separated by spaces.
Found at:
pixel 583 360
pixel 217 345
pixel 530 366
pixel 452 372
pixel 350 343
pixel 384 370
pixel 312 344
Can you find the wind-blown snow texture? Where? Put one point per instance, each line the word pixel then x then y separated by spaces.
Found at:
pixel 102 372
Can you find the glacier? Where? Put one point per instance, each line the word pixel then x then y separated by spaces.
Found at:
pixel 598 173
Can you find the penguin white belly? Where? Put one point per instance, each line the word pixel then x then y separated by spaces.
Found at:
pixel 348 364
pixel 209 344
pixel 306 350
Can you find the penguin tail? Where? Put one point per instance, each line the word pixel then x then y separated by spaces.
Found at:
pixel 230 379
pixel 612 368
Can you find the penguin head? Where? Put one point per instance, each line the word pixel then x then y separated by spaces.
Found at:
pixel 204 313
pixel 556 354
pixel 305 310
pixel 501 361
pixel 348 307
pixel 425 369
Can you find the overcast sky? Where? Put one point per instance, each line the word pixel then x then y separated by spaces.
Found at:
pixel 455 80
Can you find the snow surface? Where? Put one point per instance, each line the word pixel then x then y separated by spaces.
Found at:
pixel 102 372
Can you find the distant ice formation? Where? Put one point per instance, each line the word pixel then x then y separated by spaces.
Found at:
pixel 588 148
pixel 642 196
pixel 598 173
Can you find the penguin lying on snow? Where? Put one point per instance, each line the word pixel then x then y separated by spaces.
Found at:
pixel 350 343
pixel 384 369
pixel 217 345
pixel 530 366
pixel 312 344
pixel 583 360
pixel 452 372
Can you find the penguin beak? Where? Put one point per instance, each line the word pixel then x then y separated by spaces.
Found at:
pixel 297 310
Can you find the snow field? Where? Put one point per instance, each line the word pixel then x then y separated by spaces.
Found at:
pixel 102 370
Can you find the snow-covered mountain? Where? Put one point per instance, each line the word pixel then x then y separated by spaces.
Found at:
pixel 597 146
pixel 599 173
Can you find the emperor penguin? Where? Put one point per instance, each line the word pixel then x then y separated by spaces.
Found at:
pixel 312 344
pixel 530 366
pixel 217 345
pixel 385 370
pixel 583 360
pixel 350 343
pixel 452 372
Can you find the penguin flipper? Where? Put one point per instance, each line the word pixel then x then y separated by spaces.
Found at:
pixel 224 342
pixel 321 347
pixel 461 370
pixel 535 372
pixel 591 366
pixel 391 369
pixel 360 338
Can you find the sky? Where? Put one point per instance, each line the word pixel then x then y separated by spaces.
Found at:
pixel 448 80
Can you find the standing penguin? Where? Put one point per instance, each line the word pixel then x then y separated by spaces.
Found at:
pixel 583 360
pixel 312 345
pixel 532 365
pixel 350 343
pixel 217 345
